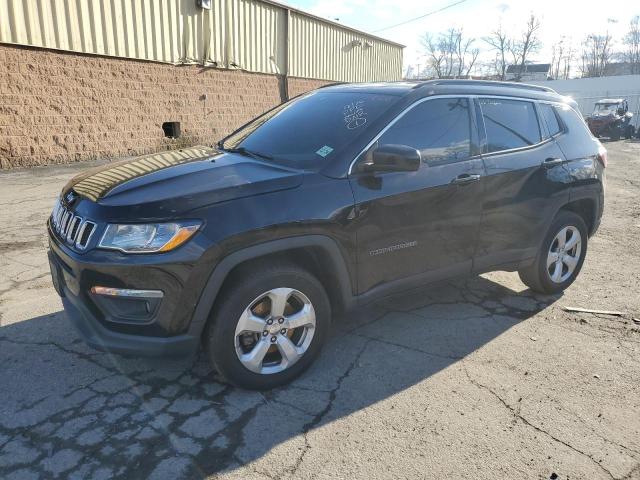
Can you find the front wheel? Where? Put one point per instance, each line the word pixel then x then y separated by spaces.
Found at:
pixel 269 326
pixel 560 257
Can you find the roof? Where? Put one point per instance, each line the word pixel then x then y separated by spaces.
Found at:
pixel 530 68
pixel 611 100
pixel 387 88
pixel 455 87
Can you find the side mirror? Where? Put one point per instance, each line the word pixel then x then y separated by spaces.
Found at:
pixel 392 158
pixel 621 111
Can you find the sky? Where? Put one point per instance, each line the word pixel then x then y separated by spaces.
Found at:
pixel 571 18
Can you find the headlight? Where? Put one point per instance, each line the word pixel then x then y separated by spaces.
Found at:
pixel 147 238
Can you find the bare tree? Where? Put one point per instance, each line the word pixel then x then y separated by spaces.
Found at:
pixel 501 43
pixel 557 50
pixel 631 41
pixel 561 59
pixel 567 61
pixel 528 43
pixel 436 54
pixel 450 54
pixel 488 68
pixel 467 55
pixel 596 55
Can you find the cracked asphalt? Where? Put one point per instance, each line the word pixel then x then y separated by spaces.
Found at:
pixel 477 378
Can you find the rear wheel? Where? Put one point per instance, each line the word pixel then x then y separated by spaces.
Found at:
pixel 560 257
pixel 615 134
pixel 269 327
pixel 629 132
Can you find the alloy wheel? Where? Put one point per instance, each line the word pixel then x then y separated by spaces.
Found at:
pixel 564 254
pixel 275 331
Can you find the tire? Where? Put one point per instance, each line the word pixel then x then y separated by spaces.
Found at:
pixel 615 134
pixel 629 132
pixel 538 276
pixel 258 290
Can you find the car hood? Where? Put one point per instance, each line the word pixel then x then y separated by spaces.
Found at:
pixel 180 180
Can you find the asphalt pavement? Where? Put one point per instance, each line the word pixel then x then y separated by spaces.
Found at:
pixel 476 378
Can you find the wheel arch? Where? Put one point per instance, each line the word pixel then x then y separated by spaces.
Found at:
pixel 317 253
pixel 586 208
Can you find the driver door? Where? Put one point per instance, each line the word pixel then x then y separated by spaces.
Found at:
pixel 415 227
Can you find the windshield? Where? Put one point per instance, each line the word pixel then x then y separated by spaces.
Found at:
pixel 606 107
pixel 309 131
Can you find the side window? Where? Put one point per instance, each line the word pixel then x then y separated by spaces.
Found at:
pixel 575 123
pixel 440 129
pixel 509 123
pixel 550 118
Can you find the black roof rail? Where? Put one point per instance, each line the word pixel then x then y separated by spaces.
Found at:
pixel 487 83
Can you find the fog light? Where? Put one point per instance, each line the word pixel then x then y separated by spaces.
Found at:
pixel 126 292
pixel 125 305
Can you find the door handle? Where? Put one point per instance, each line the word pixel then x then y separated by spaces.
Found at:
pixel 465 179
pixel 552 162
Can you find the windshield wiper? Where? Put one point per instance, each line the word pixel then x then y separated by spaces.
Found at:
pixel 248 153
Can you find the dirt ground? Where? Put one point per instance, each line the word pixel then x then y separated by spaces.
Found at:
pixel 477 379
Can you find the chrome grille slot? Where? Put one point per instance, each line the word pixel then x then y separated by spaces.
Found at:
pixel 72 229
pixel 66 221
pixel 84 235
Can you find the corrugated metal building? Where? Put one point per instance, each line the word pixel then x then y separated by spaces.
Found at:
pixel 289 50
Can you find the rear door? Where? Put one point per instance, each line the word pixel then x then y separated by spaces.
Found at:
pixel 423 225
pixel 526 181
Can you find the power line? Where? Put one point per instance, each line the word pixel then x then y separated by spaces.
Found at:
pixel 421 16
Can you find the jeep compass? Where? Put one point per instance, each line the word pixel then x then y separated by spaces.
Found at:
pixel 338 197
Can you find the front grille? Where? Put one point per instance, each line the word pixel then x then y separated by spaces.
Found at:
pixel 71 229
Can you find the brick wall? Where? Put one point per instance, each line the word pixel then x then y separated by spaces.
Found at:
pixel 301 85
pixel 60 107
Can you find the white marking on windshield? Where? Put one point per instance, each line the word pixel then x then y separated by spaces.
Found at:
pixel 354 114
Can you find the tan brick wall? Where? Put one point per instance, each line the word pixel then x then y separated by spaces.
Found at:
pixel 301 85
pixel 59 107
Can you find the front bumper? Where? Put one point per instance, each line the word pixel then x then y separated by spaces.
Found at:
pixel 167 328
pixel 100 338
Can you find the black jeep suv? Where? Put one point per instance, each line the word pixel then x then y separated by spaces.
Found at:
pixel 335 198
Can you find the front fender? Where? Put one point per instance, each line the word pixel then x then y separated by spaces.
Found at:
pixel 329 246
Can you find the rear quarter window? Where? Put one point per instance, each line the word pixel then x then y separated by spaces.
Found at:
pixel 550 118
pixel 574 122
pixel 577 142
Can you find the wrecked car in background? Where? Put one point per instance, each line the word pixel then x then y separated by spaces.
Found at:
pixel 611 118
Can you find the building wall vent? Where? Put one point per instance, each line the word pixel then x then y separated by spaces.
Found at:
pixel 171 129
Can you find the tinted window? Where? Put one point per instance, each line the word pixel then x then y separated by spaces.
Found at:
pixel 578 142
pixel 575 124
pixel 439 128
pixel 550 118
pixel 509 123
pixel 309 131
